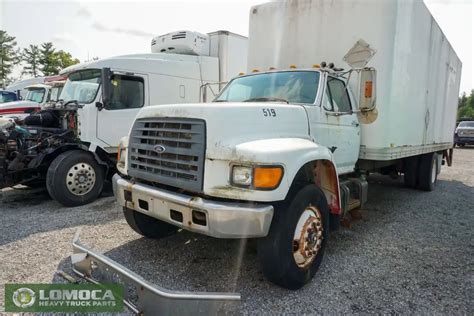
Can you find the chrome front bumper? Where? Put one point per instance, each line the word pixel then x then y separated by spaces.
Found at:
pixel 141 296
pixel 222 219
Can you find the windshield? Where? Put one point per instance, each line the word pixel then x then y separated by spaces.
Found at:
pixel 466 124
pixel 291 86
pixel 81 86
pixel 35 94
pixel 55 93
pixel 7 97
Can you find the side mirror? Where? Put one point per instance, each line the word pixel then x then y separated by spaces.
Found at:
pixel 106 75
pixel 367 89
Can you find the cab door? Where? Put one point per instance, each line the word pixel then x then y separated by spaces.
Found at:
pixel 129 93
pixel 334 125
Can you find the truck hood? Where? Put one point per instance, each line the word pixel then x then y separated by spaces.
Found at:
pixel 231 124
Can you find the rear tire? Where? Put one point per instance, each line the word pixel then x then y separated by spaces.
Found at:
pixel 74 178
pixel 148 226
pixel 411 166
pixel 292 251
pixel 428 172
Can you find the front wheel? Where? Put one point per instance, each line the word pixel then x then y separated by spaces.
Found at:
pixel 292 251
pixel 74 178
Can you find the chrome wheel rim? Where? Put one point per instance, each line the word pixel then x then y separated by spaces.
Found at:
pixel 308 237
pixel 80 179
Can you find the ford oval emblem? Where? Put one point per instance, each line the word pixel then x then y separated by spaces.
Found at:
pixel 159 149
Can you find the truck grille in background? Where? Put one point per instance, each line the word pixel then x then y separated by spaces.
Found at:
pixel 168 151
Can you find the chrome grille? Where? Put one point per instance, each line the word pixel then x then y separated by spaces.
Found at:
pixel 168 151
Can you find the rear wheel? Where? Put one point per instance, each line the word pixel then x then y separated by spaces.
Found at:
pixel 292 251
pixel 428 172
pixel 74 178
pixel 148 226
pixel 410 176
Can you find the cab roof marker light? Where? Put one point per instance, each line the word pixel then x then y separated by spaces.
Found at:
pixel 255 70
pixel 292 66
pixel 241 73
pixel 316 66
pixel 271 68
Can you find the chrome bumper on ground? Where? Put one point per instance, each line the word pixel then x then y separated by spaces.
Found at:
pixel 208 217
pixel 141 296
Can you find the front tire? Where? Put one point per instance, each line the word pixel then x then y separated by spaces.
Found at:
pixel 292 251
pixel 148 226
pixel 74 178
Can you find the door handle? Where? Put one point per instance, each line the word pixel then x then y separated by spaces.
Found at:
pixel 355 123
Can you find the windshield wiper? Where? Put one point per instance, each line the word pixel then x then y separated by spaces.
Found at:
pixel 265 99
pixel 220 101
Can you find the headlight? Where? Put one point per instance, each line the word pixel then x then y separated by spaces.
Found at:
pixel 242 176
pixel 258 177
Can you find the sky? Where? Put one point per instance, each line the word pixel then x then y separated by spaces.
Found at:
pixel 106 28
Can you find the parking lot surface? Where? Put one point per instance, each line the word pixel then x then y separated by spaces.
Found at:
pixel 412 251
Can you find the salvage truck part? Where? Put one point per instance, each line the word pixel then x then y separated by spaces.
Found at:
pixel 295 162
pixel 141 296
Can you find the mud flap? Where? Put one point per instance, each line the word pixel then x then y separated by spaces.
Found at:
pixel 141 296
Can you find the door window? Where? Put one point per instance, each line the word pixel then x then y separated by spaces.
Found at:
pixel 338 95
pixel 127 92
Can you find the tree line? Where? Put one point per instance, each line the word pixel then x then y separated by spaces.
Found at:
pixel 466 106
pixel 37 60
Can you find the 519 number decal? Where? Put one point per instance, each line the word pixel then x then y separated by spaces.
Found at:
pixel 269 112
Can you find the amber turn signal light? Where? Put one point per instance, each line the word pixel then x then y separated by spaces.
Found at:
pixel 267 177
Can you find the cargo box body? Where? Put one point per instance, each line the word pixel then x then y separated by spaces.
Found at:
pixel 418 72
pixel 231 49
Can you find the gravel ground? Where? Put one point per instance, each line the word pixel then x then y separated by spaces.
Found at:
pixel 412 252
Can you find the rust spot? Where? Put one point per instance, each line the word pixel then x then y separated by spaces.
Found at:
pixel 326 178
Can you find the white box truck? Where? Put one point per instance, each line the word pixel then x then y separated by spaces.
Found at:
pixel 282 153
pixel 72 145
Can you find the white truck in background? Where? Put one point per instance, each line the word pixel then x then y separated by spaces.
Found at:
pixel 37 96
pixel 72 144
pixel 19 87
pixel 282 154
